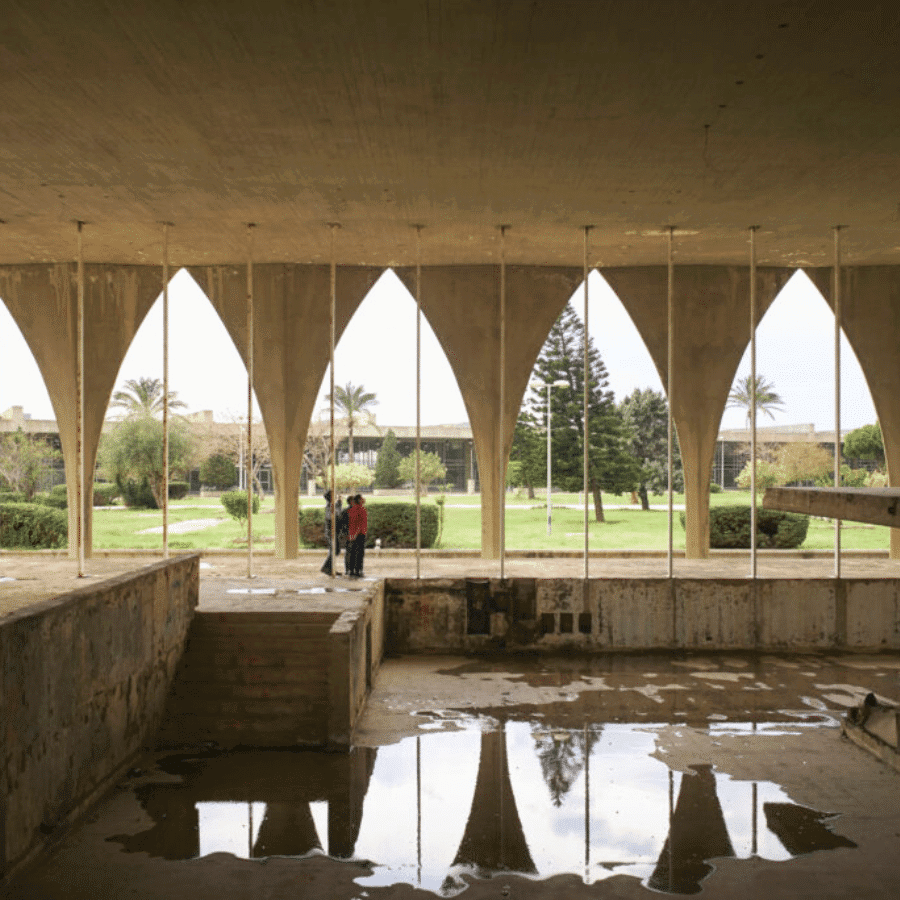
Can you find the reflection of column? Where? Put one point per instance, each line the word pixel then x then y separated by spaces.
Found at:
pixel 175 833
pixel 287 829
pixel 697 832
pixel 346 808
pixel 493 839
pixel 802 830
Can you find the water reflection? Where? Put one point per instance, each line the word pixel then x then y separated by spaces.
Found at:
pixel 436 810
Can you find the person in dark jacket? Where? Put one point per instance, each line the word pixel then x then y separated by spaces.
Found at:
pixel 359 525
pixel 330 510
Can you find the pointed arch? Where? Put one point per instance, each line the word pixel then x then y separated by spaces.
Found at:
pixel 42 299
pixel 291 338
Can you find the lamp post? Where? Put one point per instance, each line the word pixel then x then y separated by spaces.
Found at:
pixel 549 384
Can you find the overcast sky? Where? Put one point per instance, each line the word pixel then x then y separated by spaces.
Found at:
pixel 794 352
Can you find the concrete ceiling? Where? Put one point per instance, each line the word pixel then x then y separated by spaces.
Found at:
pixel 460 116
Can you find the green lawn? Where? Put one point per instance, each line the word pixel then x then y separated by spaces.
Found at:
pixel 526 528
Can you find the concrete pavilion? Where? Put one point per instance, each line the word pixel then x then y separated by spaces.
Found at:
pixel 460 117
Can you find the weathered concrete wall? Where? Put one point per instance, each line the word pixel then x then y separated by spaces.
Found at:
pixel 642 613
pixel 83 682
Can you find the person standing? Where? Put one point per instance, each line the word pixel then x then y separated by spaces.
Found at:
pixel 359 525
pixel 331 509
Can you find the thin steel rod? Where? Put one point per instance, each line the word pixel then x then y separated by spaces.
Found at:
pixel 837 392
pixel 501 432
pixel 79 425
pixel 332 325
pixel 165 343
pixel 250 354
pixel 753 446
pixel 418 401
pixel 670 354
pixel 586 374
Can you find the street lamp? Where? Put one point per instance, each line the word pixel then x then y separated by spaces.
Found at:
pixel 549 384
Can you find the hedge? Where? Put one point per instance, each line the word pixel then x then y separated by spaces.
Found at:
pixel 105 493
pixel 235 503
pixel 393 523
pixel 57 498
pixel 137 494
pixel 32 525
pixel 178 489
pixel 729 528
pixel 12 497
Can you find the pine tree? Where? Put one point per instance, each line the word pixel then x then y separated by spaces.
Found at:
pixel 611 466
pixel 387 467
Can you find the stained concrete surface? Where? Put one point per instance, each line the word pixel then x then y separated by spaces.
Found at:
pixel 745 718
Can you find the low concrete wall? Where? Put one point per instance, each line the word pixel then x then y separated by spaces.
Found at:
pixel 83 683
pixel 642 614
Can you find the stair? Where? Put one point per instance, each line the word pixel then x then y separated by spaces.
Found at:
pixel 257 679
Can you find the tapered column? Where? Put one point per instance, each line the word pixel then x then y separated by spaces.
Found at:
pixel 462 305
pixel 291 338
pixel 710 336
pixel 870 299
pixel 43 301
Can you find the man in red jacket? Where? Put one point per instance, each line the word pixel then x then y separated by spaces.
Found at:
pixel 359 525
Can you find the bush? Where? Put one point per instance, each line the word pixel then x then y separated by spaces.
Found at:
pixel 178 490
pixel 12 497
pixel 104 494
pixel 57 498
pixel 394 523
pixel 32 525
pixel 219 472
pixel 729 528
pixel 137 494
pixel 235 503
pixel 715 488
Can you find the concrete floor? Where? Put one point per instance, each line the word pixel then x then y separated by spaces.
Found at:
pixel 751 718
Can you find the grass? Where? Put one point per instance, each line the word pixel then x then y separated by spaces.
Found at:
pixel 526 529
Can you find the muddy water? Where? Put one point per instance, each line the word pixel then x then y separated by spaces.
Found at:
pixel 442 808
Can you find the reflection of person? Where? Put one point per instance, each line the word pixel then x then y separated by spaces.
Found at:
pixel 359 525
pixel 330 510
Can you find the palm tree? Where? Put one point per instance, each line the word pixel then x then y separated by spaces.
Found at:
pixel 352 401
pixel 143 396
pixel 766 398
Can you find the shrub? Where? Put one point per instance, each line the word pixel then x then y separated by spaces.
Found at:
pixel 394 523
pixel 12 497
pixel 104 494
pixel 179 489
pixel 137 494
pixel 235 503
pixel 729 528
pixel 57 498
pixel 219 472
pixel 715 488
pixel 32 525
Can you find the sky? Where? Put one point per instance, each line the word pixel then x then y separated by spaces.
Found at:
pixel 795 352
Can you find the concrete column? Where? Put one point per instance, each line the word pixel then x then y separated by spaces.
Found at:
pixel 870 299
pixel 462 305
pixel 711 332
pixel 291 338
pixel 43 301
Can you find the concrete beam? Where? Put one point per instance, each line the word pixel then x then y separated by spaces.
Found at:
pixel 877 506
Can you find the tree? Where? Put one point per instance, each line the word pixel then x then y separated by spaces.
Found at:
pixel 23 460
pixel 218 471
pixel 767 475
pixel 611 466
pixel 766 398
pixel 865 443
pixel 348 477
pixel 352 401
pixel 646 416
pixel 387 467
pixel 230 440
pixel 133 449
pixel 144 395
pixel 527 457
pixel 430 469
pixel 803 461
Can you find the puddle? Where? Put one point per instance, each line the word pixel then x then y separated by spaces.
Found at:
pixel 250 591
pixel 6 578
pixel 438 810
